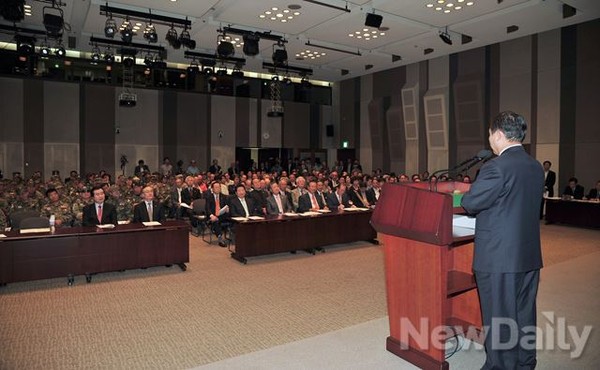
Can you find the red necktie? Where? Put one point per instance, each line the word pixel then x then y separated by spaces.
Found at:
pixel 217 205
pixel 100 213
pixel 315 205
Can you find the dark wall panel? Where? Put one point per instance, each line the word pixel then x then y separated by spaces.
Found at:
pixel 169 126
pixel 296 131
pixel 97 129
pixel 242 122
pixel 348 112
pixel 587 106
pixel 33 126
pixel 568 100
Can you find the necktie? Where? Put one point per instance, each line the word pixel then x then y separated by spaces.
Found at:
pixel 313 200
pixel 100 213
pixel 179 195
pixel 149 205
pixel 217 205
pixel 278 200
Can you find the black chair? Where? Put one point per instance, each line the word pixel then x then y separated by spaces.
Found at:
pixel 17 217
pixel 34 223
pixel 199 215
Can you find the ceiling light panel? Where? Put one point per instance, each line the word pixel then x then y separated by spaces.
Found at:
pixel 276 14
pixel 368 34
pixel 450 11
pixel 248 14
pixel 449 6
pixel 337 32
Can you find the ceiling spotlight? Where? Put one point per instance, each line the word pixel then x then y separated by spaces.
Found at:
pixel 25 44
pixel 280 56
pixel 251 44
pixel 128 62
pixel 110 28
pixel 148 60
pixel 60 50
pixel 186 40
pixel 207 71
pixel 193 68
pixel 237 72
pixel 287 80
pixel 222 71
pixel 225 49
pixel 45 50
pixel 53 20
pixel 109 58
pixel 95 54
pixel 172 39
pixel 445 36
pixel 126 31
pixel 150 33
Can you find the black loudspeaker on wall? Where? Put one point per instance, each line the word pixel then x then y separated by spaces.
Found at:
pixel 329 130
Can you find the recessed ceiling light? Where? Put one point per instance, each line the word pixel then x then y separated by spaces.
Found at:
pixel 296 13
pixel 283 15
pixel 268 12
pixel 275 8
pixel 286 10
pixel 447 6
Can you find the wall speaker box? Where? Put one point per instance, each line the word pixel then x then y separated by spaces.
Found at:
pixel 373 20
pixel 329 130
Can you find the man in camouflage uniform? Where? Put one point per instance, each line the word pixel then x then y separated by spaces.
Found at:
pixel 60 208
pixel 84 198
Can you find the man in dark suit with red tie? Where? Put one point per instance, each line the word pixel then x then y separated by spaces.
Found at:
pixel 215 204
pixel 507 258
pixel 310 201
pixel 99 212
pixel 148 209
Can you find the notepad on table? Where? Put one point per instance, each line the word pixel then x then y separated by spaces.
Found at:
pixel 106 226
pixel 239 219
pixel 151 223
pixel 37 230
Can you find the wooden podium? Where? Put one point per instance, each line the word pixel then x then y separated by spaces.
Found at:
pixel 429 281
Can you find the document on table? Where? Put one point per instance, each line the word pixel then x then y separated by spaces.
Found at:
pixel 125 222
pixel 106 226
pixel 37 230
pixel 355 209
pixel 323 211
pixel 151 223
pixel 239 219
pixel 2 236
pixel 310 213
pixel 256 218
pixel 291 214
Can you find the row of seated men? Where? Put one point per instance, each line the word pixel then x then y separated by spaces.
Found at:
pixel 68 207
pixel 576 191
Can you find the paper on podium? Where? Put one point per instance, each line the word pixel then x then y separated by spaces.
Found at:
pixel 463 221
pixel 223 210
pixel 463 226
pixel 151 223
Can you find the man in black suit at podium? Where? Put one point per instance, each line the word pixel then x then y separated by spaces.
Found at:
pixel 507 259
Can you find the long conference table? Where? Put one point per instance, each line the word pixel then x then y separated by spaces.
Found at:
pixel 280 233
pixel 86 251
pixel 583 213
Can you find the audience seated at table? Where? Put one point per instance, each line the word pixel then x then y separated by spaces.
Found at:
pixel 594 192
pixel 573 190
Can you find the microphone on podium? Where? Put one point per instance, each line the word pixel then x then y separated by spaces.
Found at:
pixel 483 154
